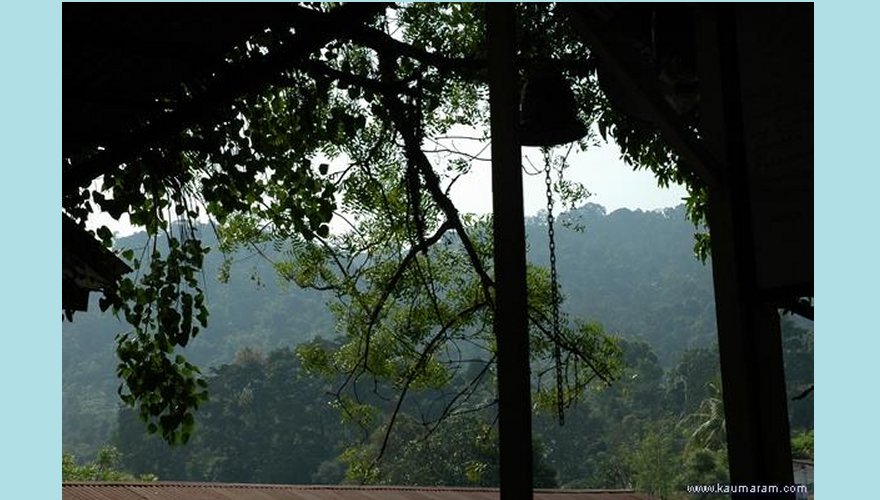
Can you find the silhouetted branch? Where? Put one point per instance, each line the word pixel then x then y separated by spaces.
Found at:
pixel 414 154
pixel 415 371
pixel 565 343
pixel 803 394
pixel 802 307
pixel 235 82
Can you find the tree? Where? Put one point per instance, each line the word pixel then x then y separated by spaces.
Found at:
pixel 797 346
pixel 267 422
pixel 655 463
pixel 688 381
pixel 105 467
pixel 802 445
pixel 337 86
pixel 594 449
pixel 462 452
pixel 702 466
pixel 709 431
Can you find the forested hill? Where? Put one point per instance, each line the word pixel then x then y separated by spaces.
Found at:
pixel 633 271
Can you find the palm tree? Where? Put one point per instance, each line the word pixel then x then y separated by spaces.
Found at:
pixel 710 432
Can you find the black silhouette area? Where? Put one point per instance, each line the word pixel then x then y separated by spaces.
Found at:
pixel 729 87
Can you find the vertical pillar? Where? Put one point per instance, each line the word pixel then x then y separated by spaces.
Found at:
pixel 749 339
pixel 511 319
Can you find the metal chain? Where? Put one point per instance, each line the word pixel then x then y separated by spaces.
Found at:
pixel 554 287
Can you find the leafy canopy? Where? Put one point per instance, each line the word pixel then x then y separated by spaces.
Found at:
pixel 105 467
pixel 411 274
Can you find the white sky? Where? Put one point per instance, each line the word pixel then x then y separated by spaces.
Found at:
pixel 600 169
pixel 612 183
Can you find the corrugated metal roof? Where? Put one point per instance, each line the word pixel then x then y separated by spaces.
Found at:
pixel 223 491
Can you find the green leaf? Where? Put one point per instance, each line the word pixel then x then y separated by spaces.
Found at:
pixel 105 235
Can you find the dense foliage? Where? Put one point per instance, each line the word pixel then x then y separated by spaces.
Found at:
pixel 406 356
pixel 259 427
pixel 258 165
pixel 256 309
pixel 667 409
pixel 266 422
pixel 105 467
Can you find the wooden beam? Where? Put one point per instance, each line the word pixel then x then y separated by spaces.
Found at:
pixel 510 320
pixel 749 337
pixel 638 82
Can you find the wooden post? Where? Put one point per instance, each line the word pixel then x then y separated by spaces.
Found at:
pixel 511 318
pixel 749 339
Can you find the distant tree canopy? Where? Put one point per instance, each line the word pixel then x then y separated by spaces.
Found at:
pixel 378 89
pixel 631 271
pixel 105 467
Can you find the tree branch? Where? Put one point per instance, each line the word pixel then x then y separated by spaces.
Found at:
pixel 414 154
pixel 565 343
pixel 363 366
pixel 420 364
pixel 384 44
pixel 805 393
pixel 236 81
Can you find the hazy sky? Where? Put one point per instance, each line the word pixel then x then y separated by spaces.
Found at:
pixel 612 183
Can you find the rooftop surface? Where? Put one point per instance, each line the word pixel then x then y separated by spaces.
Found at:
pixel 226 491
